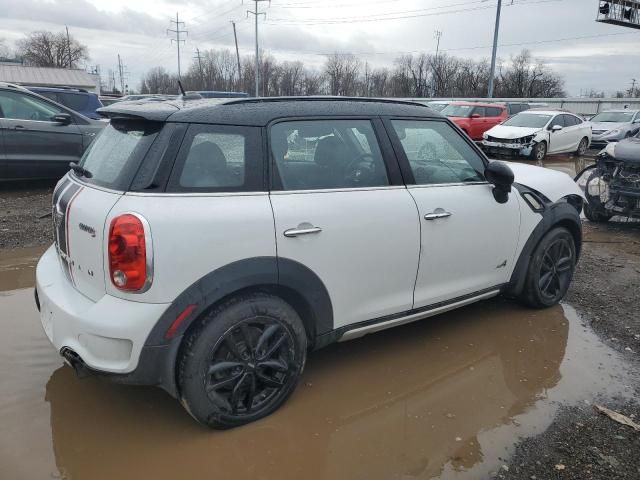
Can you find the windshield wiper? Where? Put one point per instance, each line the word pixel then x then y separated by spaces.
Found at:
pixel 83 172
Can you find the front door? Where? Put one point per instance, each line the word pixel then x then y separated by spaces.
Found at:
pixel 468 240
pixel 559 140
pixel 35 146
pixel 341 211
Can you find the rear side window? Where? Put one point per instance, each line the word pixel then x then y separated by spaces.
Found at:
pixel 75 101
pixel 115 155
pixel 217 158
pixel 494 111
pixel 327 154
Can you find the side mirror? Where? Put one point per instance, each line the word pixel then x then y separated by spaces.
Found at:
pixel 62 118
pixel 501 176
pixel 556 128
pixel 475 115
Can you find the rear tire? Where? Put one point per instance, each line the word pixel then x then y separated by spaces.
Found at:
pixel 550 269
pixel 242 361
pixel 539 151
pixel 582 147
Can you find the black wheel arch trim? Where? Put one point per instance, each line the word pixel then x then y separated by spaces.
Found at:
pixel 561 213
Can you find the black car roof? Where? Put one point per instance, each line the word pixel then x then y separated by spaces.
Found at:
pixel 260 111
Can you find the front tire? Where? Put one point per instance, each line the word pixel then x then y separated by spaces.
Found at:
pixel 594 215
pixel 242 361
pixel 539 151
pixel 550 269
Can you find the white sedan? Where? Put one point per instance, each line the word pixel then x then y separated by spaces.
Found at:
pixel 536 133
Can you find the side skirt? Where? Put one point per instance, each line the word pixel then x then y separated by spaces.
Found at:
pixel 357 330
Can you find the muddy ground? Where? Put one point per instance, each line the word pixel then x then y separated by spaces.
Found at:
pixel 493 390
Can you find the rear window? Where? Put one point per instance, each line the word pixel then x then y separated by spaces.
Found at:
pixel 75 101
pixel 115 155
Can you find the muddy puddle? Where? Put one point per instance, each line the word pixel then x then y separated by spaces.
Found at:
pixel 444 397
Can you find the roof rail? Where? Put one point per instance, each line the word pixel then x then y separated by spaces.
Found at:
pixel 321 98
pixel 61 87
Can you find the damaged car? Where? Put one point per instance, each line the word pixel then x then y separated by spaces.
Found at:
pixel 536 133
pixel 612 184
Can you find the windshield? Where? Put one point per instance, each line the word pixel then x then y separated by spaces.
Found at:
pixel 528 120
pixel 613 117
pixel 457 110
pixel 115 155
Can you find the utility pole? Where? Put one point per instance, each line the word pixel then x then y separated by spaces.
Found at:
pixel 122 73
pixel 199 57
pixel 438 35
pixel 633 87
pixel 256 14
pixel 68 46
pixel 495 51
pixel 178 31
pixel 235 36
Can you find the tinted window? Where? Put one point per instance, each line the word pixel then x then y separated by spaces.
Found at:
pixel 50 95
pixel 480 111
pixel 493 111
pixel 20 106
pixel 115 154
pixel 437 153
pixel 321 154
pixel 75 101
pixel 558 120
pixel 217 158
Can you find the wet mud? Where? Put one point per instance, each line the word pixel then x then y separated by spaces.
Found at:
pixel 446 397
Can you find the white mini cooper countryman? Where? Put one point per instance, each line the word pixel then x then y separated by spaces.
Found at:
pixel 205 246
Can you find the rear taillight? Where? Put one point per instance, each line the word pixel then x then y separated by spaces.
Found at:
pixel 129 254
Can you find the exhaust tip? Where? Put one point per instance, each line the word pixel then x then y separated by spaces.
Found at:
pixel 75 361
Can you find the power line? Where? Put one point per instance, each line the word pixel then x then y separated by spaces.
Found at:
pixel 177 31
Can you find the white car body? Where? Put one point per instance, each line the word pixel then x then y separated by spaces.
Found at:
pixel 378 256
pixel 521 140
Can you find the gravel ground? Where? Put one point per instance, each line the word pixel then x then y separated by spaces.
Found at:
pixel 24 214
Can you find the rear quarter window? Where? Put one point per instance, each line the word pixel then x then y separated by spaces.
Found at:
pixel 75 101
pixel 219 158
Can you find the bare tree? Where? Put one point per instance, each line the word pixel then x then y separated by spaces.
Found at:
pixel 158 80
pixel 51 49
pixel 342 73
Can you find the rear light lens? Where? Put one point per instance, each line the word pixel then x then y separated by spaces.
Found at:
pixel 128 253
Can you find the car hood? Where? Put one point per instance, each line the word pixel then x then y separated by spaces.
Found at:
pixel 552 184
pixel 608 125
pixel 510 133
pixel 627 150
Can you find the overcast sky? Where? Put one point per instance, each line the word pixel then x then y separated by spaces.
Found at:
pixel 605 57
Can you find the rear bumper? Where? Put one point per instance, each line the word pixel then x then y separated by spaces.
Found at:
pixel 106 336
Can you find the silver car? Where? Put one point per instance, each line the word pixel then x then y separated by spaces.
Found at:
pixel 613 126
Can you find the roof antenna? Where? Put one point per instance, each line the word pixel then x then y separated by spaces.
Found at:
pixel 181 87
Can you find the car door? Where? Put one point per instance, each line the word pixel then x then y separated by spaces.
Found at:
pixel 341 210
pixel 468 239
pixel 494 117
pixel 35 145
pixel 559 140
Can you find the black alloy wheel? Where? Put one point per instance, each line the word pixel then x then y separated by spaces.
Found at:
pixel 241 360
pixel 250 365
pixel 556 269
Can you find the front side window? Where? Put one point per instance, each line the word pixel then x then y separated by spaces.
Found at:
pixel 219 158
pixel 480 111
pixel 437 154
pixel 75 101
pixel 326 154
pixel 20 106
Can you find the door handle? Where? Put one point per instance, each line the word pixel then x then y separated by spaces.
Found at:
pixel 294 232
pixel 437 213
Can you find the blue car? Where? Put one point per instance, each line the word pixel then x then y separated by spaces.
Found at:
pixel 77 99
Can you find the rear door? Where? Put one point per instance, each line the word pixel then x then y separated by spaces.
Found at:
pixel 479 124
pixel 494 117
pixel 468 240
pixel 341 210
pixel 35 146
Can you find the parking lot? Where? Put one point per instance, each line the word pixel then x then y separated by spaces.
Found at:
pixel 494 390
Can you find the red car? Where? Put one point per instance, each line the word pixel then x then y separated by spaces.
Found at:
pixel 476 118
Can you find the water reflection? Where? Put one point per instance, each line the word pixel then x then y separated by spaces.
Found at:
pixel 403 403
